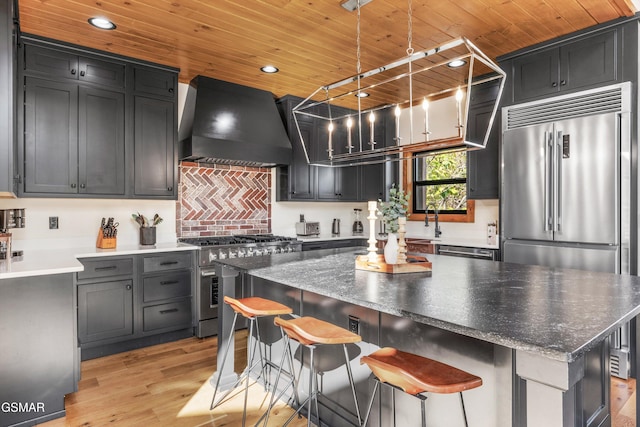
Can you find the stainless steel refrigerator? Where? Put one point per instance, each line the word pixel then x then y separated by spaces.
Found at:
pixel 566 182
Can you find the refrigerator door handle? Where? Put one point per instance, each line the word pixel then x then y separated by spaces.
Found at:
pixel 557 214
pixel 548 184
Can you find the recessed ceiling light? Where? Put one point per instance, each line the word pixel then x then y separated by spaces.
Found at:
pixel 457 63
pixel 102 23
pixel 269 69
pixel 362 94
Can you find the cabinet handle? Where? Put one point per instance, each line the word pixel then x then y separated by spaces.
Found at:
pixel 170 90
pixel 82 186
pixel 171 310
pixel 73 185
pixel 109 267
pixel 169 263
pixel 73 71
pixel 169 188
pixel 82 73
pixel 563 82
pixel 169 282
pixel 554 84
pixel 128 287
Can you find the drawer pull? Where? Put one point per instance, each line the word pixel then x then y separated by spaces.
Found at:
pixel 169 282
pixel 109 267
pixel 169 263
pixel 172 310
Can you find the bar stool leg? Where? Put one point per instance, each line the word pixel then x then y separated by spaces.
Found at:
pixel 464 412
pixel 224 359
pixel 373 396
pixel 353 387
pixel 252 343
pixel 287 353
pixel 311 382
pixel 424 412
pixel 393 405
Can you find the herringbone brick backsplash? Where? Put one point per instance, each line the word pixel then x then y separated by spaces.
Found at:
pixel 217 200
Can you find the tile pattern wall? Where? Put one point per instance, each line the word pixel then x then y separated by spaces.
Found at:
pixel 217 200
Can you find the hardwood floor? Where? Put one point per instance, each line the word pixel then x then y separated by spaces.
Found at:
pixel 163 385
pixel 623 402
pixel 168 385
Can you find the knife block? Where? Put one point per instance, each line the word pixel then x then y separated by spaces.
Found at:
pixel 105 242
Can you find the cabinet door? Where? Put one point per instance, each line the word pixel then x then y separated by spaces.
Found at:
pixel 348 183
pixel 155 136
pixel 589 61
pixel 483 164
pixel 101 141
pixel 7 97
pixel 101 72
pixel 301 174
pixel 105 310
pixel 372 180
pixel 50 137
pixel 154 82
pixel 51 62
pixel 536 75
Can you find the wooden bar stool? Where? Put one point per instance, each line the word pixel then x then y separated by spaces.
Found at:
pixel 416 375
pixel 311 332
pixel 251 308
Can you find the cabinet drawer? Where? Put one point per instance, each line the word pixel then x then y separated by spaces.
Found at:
pixel 105 268
pixel 170 261
pixel 177 315
pixel 167 286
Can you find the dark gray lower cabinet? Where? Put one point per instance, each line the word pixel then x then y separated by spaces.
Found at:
pixel 105 310
pixel 38 360
pixel 127 302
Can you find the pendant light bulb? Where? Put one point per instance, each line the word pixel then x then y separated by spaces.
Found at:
pixel 372 118
pixel 330 126
pixel 425 104
pixel 459 95
pixel 349 123
pixel 397 111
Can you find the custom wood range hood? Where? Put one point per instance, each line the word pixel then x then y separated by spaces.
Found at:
pixel 310 42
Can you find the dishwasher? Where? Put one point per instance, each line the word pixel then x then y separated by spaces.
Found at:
pixel 467 252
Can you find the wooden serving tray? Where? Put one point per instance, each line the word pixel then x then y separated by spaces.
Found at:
pixel 415 264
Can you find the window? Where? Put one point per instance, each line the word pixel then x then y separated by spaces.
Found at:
pixel 440 181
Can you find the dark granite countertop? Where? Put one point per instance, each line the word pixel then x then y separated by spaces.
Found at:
pixel 557 313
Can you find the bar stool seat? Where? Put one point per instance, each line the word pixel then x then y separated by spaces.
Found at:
pixel 416 374
pixel 251 308
pixel 311 332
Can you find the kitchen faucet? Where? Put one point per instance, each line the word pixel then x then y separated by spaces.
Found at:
pixel 437 232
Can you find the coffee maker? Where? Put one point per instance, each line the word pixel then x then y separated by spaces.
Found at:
pixel 9 218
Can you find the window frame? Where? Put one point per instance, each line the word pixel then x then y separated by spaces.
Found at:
pixel 407 180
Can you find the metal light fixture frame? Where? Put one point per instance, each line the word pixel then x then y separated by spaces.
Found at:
pixel 327 106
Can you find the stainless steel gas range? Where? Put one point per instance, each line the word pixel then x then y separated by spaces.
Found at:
pixel 224 247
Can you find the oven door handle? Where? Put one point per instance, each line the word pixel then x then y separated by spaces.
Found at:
pixel 207 273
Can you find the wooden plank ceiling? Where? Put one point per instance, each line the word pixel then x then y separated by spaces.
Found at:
pixel 312 42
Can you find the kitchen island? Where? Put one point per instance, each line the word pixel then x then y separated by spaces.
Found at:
pixel 539 337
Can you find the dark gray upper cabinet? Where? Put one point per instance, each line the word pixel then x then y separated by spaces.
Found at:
pixel 7 97
pixel 155 156
pixel 101 157
pixel 50 137
pixel 483 165
pixel 154 82
pixel 54 63
pixel 95 125
pixel 74 139
pixel 586 62
pixel 297 180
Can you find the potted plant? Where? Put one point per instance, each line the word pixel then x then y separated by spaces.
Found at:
pixel 147 228
pixel 392 211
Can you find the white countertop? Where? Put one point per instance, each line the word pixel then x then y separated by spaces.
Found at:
pixel 457 241
pixel 57 261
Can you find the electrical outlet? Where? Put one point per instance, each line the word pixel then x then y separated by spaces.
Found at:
pixel 53 223
pixel 354 325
